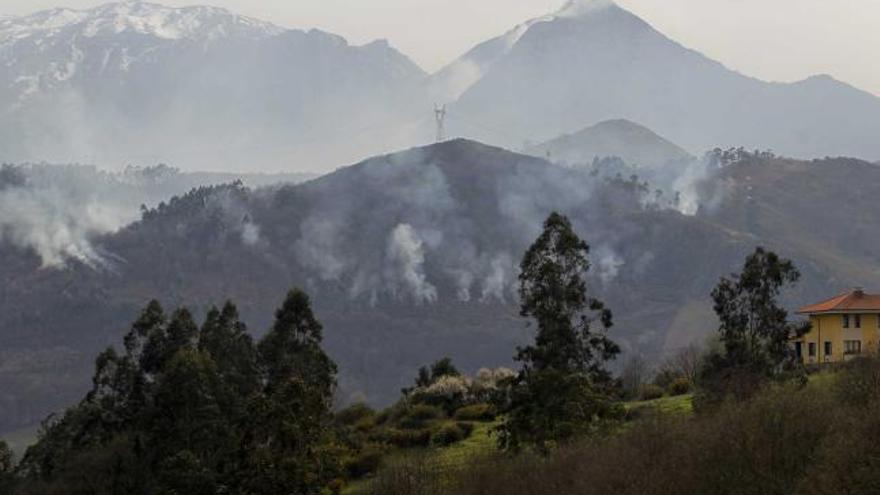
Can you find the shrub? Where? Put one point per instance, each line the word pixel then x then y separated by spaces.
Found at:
pixel 650 392
pixel 408 438
pixel 858 383
pixel 448 434
pixel 364 462
pixel 679 386
pixel 466 427
pixel 354 413
pixel 475 412
pixel 424 412
pixel 420 414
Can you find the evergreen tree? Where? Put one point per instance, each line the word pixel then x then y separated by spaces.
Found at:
pixel 292 348
pixel 200 411
pixel 563 388
pixel 754 328
pixel 188 428
pixel 290 421
pixel 225 338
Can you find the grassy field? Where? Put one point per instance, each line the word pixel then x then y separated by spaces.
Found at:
pixel 481 443
pixel 680 404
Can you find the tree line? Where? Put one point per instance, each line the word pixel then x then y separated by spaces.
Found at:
pixel 206 409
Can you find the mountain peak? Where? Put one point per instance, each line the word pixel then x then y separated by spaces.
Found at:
pixel 578 8
pixel 193 23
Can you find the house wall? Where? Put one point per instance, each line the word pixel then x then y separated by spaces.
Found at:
pixel 829 328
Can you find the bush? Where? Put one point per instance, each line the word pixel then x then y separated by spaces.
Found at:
pixel 466 427
pixel 354 413
pixel 364 462
pixel 679 386
pixel 408 438
pixel 858 383
pixel 448 434
pixel 420 414
pixel 650 392
pixel 475 412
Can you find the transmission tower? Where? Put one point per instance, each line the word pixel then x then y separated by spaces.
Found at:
pixel 440 117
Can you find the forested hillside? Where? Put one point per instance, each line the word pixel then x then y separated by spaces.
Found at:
pixel 412 256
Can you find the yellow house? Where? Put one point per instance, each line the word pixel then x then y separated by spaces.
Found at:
pixel 842 327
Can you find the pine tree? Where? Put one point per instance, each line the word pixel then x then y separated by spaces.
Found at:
pixel 563 388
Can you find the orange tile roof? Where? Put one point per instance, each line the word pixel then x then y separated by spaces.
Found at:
pixel 854 300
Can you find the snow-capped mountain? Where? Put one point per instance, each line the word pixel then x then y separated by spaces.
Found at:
pixel 199 86
pixel 49 47
pixel 594 61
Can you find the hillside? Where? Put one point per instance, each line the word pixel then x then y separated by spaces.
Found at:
pixel 631 142
pixel 419 261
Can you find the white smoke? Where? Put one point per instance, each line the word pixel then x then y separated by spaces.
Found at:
pixel 607 263
pixel 250 233
pixel 317 247
pixel 405 269
pixel 499 280
pixel 59 211
pixel 58 214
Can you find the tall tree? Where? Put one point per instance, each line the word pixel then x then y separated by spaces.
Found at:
pixel 563 388
pixel 225 338
pixel 754 328
pixel 290 421
pixel 292 348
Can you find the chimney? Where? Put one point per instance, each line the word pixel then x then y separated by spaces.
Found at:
pixel 858 292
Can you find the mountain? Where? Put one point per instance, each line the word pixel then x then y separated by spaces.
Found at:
pixel 595 61
pixel 631 142
pixel 198 87
pixel 419 261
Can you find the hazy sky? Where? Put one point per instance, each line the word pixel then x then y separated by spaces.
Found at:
pixel 782 40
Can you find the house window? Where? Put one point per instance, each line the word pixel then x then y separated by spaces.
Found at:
pixel 845 321
pixel 852 347
pixel 857 321
pixel 827 348
pixel 811 349
pixel 799 350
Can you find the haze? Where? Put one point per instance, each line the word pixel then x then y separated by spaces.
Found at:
pixel 820 37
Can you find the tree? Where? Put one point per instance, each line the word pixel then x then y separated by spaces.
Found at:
pixel 7 466
pixel 429 375
pixel 634 375
pixel 684 363
pixel 292 348
pixel 290 421
pixel 563 388
pixel 197 410
pixel 754 329
pixel 225 338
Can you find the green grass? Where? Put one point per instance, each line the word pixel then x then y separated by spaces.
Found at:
pixel 680 404
pixel 479 443
pixel 482 443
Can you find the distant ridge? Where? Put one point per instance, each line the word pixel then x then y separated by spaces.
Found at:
pixel 635 144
